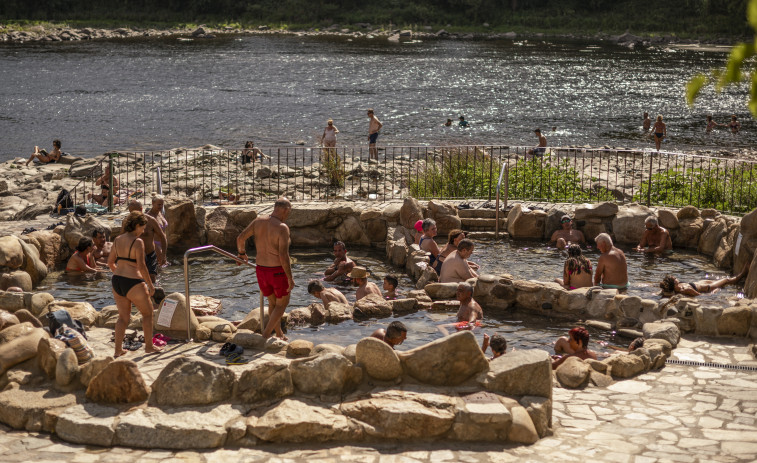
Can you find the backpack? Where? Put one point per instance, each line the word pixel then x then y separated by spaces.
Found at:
pixel 60 318
pixel 64 200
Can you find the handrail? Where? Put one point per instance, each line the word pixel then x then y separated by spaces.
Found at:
pixel 505 168
pixel 210 247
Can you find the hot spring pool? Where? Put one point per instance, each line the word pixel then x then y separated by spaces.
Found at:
pixel 215 276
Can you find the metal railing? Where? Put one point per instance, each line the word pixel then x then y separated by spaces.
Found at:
pixel 503 173
pixel 186 282
pixel 575 175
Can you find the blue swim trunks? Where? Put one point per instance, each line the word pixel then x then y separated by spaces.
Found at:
pixel 372 138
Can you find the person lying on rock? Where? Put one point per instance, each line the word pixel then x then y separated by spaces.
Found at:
pixel 566 235
pixel 671 285
pixel 456 268
pixel 498 344
pixel 326 295
pixel 44 157
pixel 575 345
pixel 342 265
pixel 577 270
pixel 359 277
pixel 102 246
pixel 82 261
pixel 394 334
pixel 390 286
pixel 612 269
pixel 655 238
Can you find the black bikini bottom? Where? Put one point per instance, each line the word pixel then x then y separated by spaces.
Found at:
pixel 122 285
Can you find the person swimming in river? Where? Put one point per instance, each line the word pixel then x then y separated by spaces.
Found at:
pixel 390 286
pixel 498 344
pixel 577 270
pixel 711 124
pixel 342 266
pixel 670 284
pixel 734 125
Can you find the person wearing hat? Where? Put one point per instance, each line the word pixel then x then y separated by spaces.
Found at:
pixel 360 276
pixel 418 231
pixel 566 235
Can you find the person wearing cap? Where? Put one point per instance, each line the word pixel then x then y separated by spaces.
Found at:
pixel 360 276
pixel 541 148
pixel 566 235
pixel 418 231
pixel 342 264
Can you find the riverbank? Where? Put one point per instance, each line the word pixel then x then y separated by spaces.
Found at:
pixel 61 32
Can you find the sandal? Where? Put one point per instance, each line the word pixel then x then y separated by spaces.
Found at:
pixel 235 359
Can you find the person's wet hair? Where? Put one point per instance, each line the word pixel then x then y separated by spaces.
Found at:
pixel 340 244
pixel 635 344
pixel 576 261
pixel 84 243
pixel 580 334
pixel 133 220
pixel 392 280
pixel 498 344
pixel 395 330
pixel 314 286
pixel 668 283
pixel 282 203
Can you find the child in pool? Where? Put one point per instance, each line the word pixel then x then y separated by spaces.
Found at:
pixel 498 344
pixel 390 286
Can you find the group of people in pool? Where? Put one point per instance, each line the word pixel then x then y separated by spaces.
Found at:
pixel 660 129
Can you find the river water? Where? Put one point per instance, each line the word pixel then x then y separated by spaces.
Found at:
pixel 152 94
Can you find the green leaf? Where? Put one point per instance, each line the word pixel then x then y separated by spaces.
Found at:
pixel 732 74
pixel 753 95
pixel 694 86
pixel 751 13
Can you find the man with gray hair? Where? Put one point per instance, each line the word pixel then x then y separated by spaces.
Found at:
pixel 455 268
pixel 655 238
pixel 612 270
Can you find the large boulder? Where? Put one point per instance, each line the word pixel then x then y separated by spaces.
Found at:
pixel 78 227
pixel 265 381
pixel 687 235
pixel 723 256
pixel 17 279
pixel 20 349
pixel 49 351
pixel 444 291
pixel 668 219
pixel 590 211
pixel 10 206
pixel 351 231
pixel 711 236
pixel 410 213
pixel 628 224
pixel 33 265
pixel 192 382
pixel 445 215
pixel 82 311
pixel 177 328
pixel 735 321
pixel 9 333
pixel 184 230
pixel 49 246
pixel 33 410
pixel 222 230
pixel 327 374
pixel 119 382
pixel 11 252
pixel 521 372
pixel 525 223
pixel 446 362
pixel 662 330
pixel 572 373
pixel 372 306
pixel 378 358
pixel 7 319
pixel 299 421
pixel 688 212
pixel 624 365
pixel 67 368
pixel 338 312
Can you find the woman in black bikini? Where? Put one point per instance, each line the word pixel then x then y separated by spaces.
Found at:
pixel 131 280
pixel 660 132
pixel 670 284
pixel 734 125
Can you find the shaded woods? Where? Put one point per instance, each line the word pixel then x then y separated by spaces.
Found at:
pixel 684 17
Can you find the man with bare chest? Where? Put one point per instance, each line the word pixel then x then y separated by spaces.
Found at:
pixel 272 265
pixel 655 238
pixel 152 233
pixel 567 235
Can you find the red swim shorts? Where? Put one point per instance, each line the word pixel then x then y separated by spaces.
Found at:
pixel 272 280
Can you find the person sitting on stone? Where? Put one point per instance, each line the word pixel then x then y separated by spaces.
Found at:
pixel 453 239
pixel 670 284
pixel 44 157
pixel 359 277
pixel 498 344
pixel 102 246
pixel 390 286
pixel 456 268
pixel 541 148
pixel 327 295
pixel 428 244
pixel 394 334
pixel 567 235
pixel 82 261
pixel 342 265
pixel 577 270
pixel 612 270
pixel 104 183
pixel 575 345
pixel 655 238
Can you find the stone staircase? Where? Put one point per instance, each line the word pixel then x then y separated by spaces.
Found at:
pixel 481 220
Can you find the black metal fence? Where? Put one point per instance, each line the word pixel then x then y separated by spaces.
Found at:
pixel 220 176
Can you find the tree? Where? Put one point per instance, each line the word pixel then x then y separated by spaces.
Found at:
pixel 733 73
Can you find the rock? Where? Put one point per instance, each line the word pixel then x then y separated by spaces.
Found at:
pixel 24 316
pixel 78 227
pixel 180 429
pixel 723 256
pixel 688 233
pixel 12 332
pixel 390 418
pixel 321 349
pixel 49 351
pixel 624 365
pixel 481 416
pixel 86 168
pixel 446 362
pixel 11 252
pixel 711 236
pixel 39 303
pixel 688 212
pixel 326 374
pixel 67 368
pixel 33 409
pixel 525 224
pixel 396 251
pixel 17 278
pixel 378 358
pixel 438 291
pixel 628 224
pixel 119 382
pixel 248 339
pixel 667 219
pixel 178 325
pixel 82 311
pixel 220 330
pixel 350 231
pixel 372 306
pixel 601 210
pixel 301 316
pixel 48 244
pixel 402 306
pixel 600 379
pixel 222 231
pixel 89 424
pixel 192 382
pixel 522 430
pixel 734 321
pixel 299 421
pixel 410 213
pixel 20 349
pixel 662 330
pixel 350 352
pixel 31 211
pixel 12 301
pixel 299 348
pixel 445 215
pixel 267 380
pixel 33 266
pixel 7 319
pixel 183 230
pixel 91 369
pixel 540 411
pixel 275 345
pixel 600 325
pixel 572 373
pixel 521 372
pixel 338 312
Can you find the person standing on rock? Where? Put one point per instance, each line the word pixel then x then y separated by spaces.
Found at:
pixel 342 265
pixel 272 265
pixel 373 132
pixel 131 283
pixel 655 238
pixel 612 270
pixel 44 157
pixel 151 232
pixel 326 295
pixel 328 139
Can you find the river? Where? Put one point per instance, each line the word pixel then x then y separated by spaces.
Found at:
pixel 152 94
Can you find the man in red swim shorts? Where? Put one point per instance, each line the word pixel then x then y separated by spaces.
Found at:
pixel 272 267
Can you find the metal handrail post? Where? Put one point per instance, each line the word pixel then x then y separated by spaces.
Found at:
pixel 505 168
pixel 110 190
pixel 209 247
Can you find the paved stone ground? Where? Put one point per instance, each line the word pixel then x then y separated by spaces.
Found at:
pixel 682 413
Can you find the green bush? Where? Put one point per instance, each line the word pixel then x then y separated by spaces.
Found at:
pixel 551 179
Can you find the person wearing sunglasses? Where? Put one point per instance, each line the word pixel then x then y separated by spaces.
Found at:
pixel 566 235
pixel 655 238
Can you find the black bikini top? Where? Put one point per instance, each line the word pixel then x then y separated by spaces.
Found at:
pixel 128 254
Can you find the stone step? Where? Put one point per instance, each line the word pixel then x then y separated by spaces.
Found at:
pixel 477 213
pixel 482 224
pixel 487 235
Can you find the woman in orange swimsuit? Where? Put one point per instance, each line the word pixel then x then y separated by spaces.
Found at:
pixel 82 260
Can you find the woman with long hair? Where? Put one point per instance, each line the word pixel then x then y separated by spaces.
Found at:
pixel 577 270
